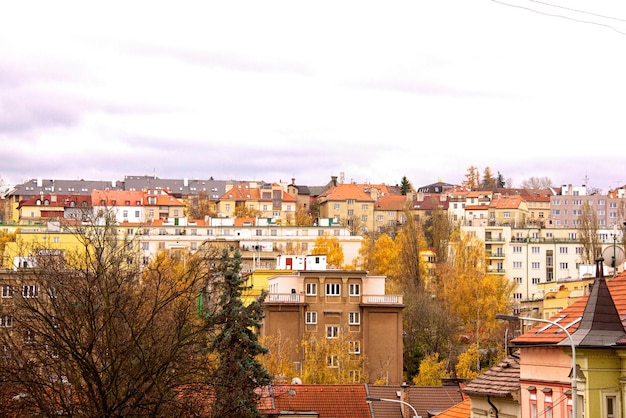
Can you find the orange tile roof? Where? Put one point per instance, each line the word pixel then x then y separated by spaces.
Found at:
pixel 394 203
pixel 460 410
pixel 569 317
pixel 343 192
pixel 119 196
pixel 241 192
pixel 506 202
pixel 329 401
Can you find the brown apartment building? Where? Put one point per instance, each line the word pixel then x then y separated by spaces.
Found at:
pixel 333 304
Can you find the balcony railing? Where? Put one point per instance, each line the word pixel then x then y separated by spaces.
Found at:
pixel 284 298
pixel 382 299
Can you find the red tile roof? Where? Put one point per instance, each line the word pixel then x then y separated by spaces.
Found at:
pixel 425 399
pixel 329 401
pixel 394 203
pixel 570 317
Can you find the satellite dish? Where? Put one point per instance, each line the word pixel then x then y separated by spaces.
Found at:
pixel 608 253
pixel 296 381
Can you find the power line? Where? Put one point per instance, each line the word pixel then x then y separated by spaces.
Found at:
pixel 563 16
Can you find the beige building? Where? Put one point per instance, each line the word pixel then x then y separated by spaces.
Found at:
pixel 339 304
pixel 350 205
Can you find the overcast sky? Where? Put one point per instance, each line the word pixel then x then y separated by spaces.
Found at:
pixel 275 90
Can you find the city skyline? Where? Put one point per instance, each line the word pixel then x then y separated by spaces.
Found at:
pixel 283 90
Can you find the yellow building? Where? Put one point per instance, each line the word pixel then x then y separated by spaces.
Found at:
pixel 350 205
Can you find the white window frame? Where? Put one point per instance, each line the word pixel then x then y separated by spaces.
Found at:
pixel 355 289
pixel 310 317
pixel 354 318
pixel 333 289
pixel 6 321
pixel 30 291
pixel 7 291
pixel 332 331
pixel 354 347
pixel 311 289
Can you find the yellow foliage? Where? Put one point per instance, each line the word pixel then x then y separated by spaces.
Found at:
pixel 472 294
pixel 329 361
pixel 277 361
pixel 431 371
pixel 330 247
pixel 468 361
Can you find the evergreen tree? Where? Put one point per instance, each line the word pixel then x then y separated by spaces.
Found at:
pixel 405 186
pixel 239 374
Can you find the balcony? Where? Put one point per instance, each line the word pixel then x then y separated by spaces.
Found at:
pixel 495 254
pixel 382 300
pixel 291 298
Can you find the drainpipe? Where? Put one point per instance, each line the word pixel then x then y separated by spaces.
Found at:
pixel 492 405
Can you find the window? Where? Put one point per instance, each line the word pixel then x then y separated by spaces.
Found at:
pixel 7 291
pixel 332 361
pixel 535 280
pixel 350 212
pixel 354 347
pixel 354 376
pixel 563 250
pixel 364 218
pixel 311 289
pixel 535 265
pixel 145 246
pixel 517 264
pixel 610 405
pixel 533 401
pixel 517 249
pixel 354 318
pixel 563 266
pixel 517 280
pixel 333 289
pixel 336 206
pixel 311 317
pixel 332 331
pixel 30 291
pixel 29 336
pixel 535 250
pixel 355 289
pixel 6 321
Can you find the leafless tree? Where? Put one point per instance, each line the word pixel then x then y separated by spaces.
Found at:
pixel 95 333
pixel 588 233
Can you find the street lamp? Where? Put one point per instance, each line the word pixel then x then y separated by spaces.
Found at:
pixel 572 344
pixel 372 399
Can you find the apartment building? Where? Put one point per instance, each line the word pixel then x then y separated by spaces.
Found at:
pixel 266 200
pixel 533 257
pixel 348 204
pixel 566 210
pixel 339 304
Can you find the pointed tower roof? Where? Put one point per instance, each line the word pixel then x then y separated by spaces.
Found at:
pixel 600 325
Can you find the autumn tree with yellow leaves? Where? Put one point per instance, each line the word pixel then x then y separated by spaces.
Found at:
pixel 330 247
pixel 332 360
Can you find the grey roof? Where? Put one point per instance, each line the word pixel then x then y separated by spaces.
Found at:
pixel 501 380
pixel 35 187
